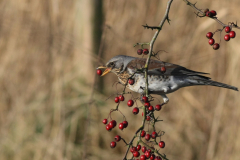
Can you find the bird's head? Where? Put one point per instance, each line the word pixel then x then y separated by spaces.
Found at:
pixel 116 65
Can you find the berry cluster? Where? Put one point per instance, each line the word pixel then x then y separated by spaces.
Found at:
pixel 211 13
pixel 211 41
pixel 144 51
pixel 148 151
pixel 230 33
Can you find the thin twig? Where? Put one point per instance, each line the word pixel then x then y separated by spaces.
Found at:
pixel 214 18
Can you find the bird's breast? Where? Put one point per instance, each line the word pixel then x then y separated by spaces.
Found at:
pixel 157 84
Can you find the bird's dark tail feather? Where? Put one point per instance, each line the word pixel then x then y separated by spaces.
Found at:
pixel 202 80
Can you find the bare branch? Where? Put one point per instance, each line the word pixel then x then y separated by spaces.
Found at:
pixel 214 18
pixel 152 43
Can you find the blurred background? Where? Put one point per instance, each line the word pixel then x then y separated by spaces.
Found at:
pixel 52 103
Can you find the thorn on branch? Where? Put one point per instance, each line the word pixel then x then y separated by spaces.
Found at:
pixel 194 4
pixel 197 14
pixel 140 44
pixel 168 20
pixel 151 27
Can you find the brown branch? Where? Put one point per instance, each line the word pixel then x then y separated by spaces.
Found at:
pixel 153 40
pixel 150 27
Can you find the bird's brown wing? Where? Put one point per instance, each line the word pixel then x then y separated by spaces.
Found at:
pixel 154 67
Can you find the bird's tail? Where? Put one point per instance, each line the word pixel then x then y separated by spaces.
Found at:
pixel 202 80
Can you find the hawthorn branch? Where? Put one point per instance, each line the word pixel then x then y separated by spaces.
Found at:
pixel 152 43
pixel 214 18
pixel 140 44
pixel 159 28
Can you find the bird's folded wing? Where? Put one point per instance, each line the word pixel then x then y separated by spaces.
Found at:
pixel 154 68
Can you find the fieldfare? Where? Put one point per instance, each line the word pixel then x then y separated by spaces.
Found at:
pixel 160 81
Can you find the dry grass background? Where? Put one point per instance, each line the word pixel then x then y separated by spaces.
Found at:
pixel 47 63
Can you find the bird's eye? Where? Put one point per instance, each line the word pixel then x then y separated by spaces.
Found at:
pixel 111 64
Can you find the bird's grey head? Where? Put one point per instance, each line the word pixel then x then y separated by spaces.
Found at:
pixel 117 64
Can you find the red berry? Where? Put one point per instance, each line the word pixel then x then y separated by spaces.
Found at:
pixel 142 113
pixel 99 72
pixel 125 124
pixel 209 35
pixel 121 126
pixel 133 149
pixel 161 144
pixel 144 149
pixel 136 154
pixel 108 127
pixel 232 34
pixel 147 154
pixel 113 144
pixel 145 99
pixel 143 133
pixel 145 51
pixel 147 137
pixel 158 158
pixel 104 121
pixel 216 46
pixel 147 104
pixel 148 118
pixel 149 150
pixel 131 81
pixel 163 69
pixel 117 138
pixel 116 99
pixel 135 110
pixel 152 157
pixel 139 51
pixel 154 134
pixel 211 41
pixel 209 14
pixel 121 97
pixel 158 107
pixel 227 29
pixel 112 124
pixel 227 37
pixel 143 157
pixel 150 108
pixel 138 147
pixel 214 13
pixel 130 103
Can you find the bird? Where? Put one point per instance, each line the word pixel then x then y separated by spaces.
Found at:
pixel 163 77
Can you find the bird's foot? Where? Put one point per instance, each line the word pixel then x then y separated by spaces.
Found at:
pixel 165 99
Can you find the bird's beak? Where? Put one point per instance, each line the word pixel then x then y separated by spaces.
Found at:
pixel 107 70
pixel 101 67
